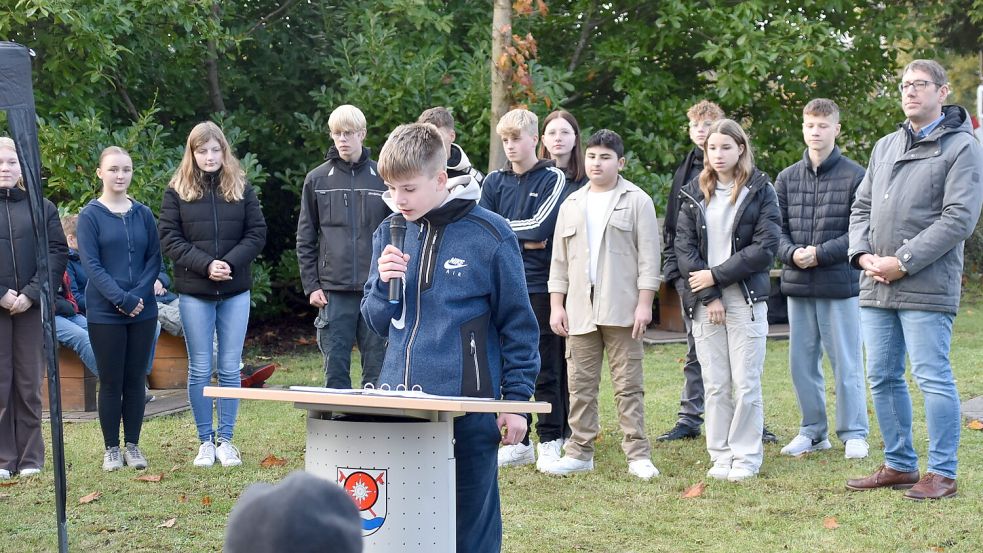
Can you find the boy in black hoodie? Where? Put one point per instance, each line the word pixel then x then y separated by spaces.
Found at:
pixel 528 193
pixel 341 206
pixel 459 168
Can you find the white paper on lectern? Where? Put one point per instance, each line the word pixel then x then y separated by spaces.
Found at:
pixel 381 392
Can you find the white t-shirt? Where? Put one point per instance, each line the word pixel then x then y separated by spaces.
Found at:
pixel 597 208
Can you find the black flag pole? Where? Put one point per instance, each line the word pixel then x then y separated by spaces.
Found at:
pixel 17 99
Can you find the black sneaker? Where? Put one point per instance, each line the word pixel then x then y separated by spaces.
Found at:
pixel 768 437
pixel 680 432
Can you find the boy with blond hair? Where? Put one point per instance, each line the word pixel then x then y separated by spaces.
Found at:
pixel 603 279
pixel 341 206
pixel 459 168
pixel 528 193
pixel 459 329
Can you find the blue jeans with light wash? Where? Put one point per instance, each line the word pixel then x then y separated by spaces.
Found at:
pixel 925 336
pixel 73 332
pixel 830 325
pixel 204 320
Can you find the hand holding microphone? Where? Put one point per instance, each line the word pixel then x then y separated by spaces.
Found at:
pixel 392 262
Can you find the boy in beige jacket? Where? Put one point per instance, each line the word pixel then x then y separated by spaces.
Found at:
pixel 604 274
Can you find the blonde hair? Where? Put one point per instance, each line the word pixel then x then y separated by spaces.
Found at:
pixel 188 179
pixel 8 143
pixel 69 224
pixel 412 150
pixel 745 163
pixel 515 122
pixel 346 118
pixel 704 109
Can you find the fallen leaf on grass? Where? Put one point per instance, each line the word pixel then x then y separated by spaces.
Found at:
pixel 89 498
pixel 206 501
pixel 271 461
pixel 150 477
pixel 830 523
pixel 175 468
pixel 696 490
pixel 975 425
pixel 8 484
pixel 169 523
pixel 182 498
pixel 936 549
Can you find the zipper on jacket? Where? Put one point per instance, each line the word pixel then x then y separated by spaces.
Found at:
pixel 13 254
pixel 416 322
pixel 350 208
pixel 474 356
pixel 129 249
pixel 215 221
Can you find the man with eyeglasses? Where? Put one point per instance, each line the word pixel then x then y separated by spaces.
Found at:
pixel 341 206
pixel 917 204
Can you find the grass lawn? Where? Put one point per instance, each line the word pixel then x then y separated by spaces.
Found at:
pixel 788 508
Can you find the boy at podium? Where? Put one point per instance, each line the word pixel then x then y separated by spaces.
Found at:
pixel 461 324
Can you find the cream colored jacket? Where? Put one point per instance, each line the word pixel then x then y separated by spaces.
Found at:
pixel 628 261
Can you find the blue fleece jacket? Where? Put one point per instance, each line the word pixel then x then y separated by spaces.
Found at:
pixel 465 326
pixel 530 202
pixel 121 256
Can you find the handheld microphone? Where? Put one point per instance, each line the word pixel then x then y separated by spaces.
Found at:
pixel 397 234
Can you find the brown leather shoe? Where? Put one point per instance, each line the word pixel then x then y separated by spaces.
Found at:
pixel 884 477
pixel 932 486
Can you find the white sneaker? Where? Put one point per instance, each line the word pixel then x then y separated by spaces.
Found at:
pixel 857 448
pixel 516 455
pixel 737 474
pixel 719 472
pixel 549 452
pixel 800 445
pixel 228 454
pixel 206 455
pixel 4 474
pixel 643 468
pixel 26 473
pixel 568 465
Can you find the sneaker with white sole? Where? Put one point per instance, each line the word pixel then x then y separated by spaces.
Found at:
pixel 642 468
pixel 228 454
pixel 206 455
pixel 133 457
pixel 28 472
pixel 112 459
pixel 800 445
pixel 719 472
pixel 549 452
pixel 516 455
pixel 856 448
pixel 4 474
pixel 738 474
pixel 568 465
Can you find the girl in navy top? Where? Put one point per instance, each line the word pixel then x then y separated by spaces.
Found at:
pixel 120 251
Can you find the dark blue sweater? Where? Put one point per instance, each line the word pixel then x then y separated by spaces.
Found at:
pixel 121 256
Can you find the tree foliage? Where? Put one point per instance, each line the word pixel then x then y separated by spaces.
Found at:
pixel 141 73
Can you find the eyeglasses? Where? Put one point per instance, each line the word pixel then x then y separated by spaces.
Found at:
pixel 344 134
pixel 918 85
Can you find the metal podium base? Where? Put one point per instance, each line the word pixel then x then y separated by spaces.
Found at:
pixel 400 472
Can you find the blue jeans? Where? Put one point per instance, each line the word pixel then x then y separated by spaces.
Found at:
pixel 73 332
pixel 203 321
pixel 926 336
pixel 830 325
pixel 479 513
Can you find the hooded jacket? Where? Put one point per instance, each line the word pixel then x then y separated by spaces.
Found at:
pixel 919 201
pixel 815 207
pixel 464 326
pixel 18 262
pixel 341 206
pixel 121 256
pixel 530 203
pixel 193 234
pixel 459 169
pixel 754 240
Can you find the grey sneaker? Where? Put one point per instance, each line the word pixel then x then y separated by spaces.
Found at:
pixel 228 454
pixel 133 457
pixel 111 459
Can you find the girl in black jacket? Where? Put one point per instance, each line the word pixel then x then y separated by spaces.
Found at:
pixel 21 348
pixel 726 237
pixel 212 227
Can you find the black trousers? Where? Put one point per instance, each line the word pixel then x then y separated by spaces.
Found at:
pixel 122 353
pixel 551 384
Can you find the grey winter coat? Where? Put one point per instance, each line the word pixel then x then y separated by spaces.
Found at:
pixel 919 201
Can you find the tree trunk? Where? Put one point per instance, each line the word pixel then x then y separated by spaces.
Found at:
pixel 211 66
pixel 501 31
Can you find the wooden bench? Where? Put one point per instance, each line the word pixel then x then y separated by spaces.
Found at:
pixel 670 313
pixel 170 368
